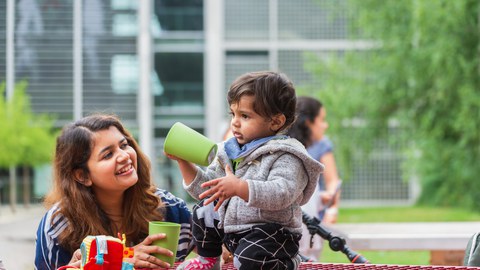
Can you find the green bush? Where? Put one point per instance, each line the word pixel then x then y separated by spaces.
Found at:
pixel 422 76
pixel 27 139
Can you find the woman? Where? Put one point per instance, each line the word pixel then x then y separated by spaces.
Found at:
pixel 102 186
pixel 309 129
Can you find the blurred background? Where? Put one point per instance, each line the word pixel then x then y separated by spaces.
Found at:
pixel 400 80
pixel 73 58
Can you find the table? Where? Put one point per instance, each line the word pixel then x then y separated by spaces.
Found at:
pixel 351 266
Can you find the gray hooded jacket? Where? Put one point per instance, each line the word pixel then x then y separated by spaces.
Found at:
pixel 281 177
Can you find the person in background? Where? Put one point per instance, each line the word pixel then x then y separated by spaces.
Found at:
pixel 309 129
pixel 102 186
pixel 253 190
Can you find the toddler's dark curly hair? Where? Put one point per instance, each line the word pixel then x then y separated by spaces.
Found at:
pixel 274 94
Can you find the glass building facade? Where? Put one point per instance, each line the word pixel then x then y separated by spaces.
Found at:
pixel 198 48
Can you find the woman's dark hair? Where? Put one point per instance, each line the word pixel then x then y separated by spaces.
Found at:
pixel 274 94
pixel 77 202
pixel 307 110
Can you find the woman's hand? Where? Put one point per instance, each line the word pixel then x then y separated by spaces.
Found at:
pixel 330 216
pixel 76 260
pixel 143 257
pixel 326 198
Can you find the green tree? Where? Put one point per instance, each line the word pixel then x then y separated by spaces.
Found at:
pixel 422 74
pixel 27 138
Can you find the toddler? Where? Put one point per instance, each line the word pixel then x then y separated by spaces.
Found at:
pixel 252 192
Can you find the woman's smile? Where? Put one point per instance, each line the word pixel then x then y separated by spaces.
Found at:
pixel 125 170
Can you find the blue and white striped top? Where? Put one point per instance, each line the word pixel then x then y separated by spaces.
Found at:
pixel 49 255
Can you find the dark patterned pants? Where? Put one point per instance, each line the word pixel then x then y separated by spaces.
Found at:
pixel 266 246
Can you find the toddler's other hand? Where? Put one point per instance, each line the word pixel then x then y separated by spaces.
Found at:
pixel 222 188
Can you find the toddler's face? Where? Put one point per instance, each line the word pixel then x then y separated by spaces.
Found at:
pixel 246 124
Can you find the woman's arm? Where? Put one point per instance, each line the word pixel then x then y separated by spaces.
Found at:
pixel 332 180
pixel 48 253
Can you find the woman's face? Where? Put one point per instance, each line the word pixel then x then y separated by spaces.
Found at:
pixel 319 125
pixel 112 164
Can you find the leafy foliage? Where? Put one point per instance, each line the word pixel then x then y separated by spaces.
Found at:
pixel 27 139
pixel 422 74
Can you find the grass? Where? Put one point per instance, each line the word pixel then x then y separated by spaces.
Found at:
pixel 395 214
pixel 405 214
pixel 381 257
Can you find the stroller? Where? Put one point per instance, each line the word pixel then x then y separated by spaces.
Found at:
pixel 336 243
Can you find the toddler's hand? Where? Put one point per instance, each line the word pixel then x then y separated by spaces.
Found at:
pixel 222 188
pixel 172 157
pixel 177 159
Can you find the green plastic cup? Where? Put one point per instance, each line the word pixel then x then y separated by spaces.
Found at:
pixel 170 242
pixel 189 145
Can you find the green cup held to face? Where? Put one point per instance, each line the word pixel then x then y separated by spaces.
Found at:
pixel 189 145
pixel 170 242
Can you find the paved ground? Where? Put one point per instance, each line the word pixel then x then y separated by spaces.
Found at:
pixel 17 236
